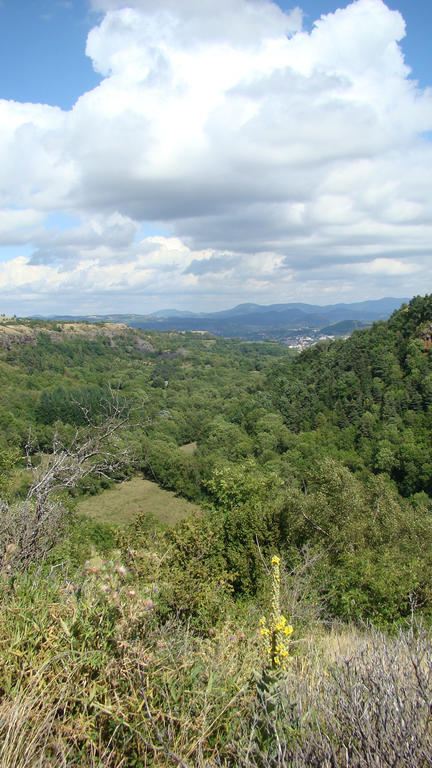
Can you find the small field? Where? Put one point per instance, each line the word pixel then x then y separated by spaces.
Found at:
pixel 188 448
pixel 121 504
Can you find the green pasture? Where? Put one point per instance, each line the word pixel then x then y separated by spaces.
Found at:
pixel 121 504
pixel 188 447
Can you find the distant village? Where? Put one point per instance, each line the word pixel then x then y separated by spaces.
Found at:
pixel 304 339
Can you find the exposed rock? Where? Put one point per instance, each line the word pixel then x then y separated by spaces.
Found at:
pixel 143 346
pixel 425 336
pixel 14 333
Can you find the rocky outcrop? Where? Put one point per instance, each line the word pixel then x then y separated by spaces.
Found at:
pixel 143 346
pixel 425 336
pixel 11 336
pixel 14 333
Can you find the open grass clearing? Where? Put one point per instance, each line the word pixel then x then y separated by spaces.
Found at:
pixel 188 447
pixel 121 504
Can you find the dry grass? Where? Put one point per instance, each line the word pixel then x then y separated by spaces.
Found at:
pixel 188 448
pixel 36 732
pixel 96 673
pixel 341 643
pixel 353 700
pixel 28 725
pixel 169 697
pixel 121 504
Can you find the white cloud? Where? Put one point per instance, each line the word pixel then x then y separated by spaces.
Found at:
pixel 273 161
pixel 17 226
pixel 387 267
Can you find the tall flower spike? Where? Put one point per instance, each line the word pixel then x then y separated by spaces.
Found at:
pixel 276 635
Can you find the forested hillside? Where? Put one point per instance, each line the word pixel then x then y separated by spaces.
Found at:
pixel 308 445
pixel 322 459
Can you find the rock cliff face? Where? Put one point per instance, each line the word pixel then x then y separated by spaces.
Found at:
pixel 15 332
pixel 11 335
pixel 425 335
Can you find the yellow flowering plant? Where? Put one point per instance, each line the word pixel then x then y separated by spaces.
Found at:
pixel 276 632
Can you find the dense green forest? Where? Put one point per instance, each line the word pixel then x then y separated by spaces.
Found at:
pixel 323 459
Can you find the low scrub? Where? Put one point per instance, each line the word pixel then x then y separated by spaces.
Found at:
pixel 92 673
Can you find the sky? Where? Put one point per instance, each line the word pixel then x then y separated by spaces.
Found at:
pixel 196 154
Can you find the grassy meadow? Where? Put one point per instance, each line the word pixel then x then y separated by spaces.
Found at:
pixel 137 496
pixel 189 448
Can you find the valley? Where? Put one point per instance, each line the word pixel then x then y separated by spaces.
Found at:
pixel 170 500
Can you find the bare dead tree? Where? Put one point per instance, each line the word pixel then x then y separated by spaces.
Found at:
pixel 29 529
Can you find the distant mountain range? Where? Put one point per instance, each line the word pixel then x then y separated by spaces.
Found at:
pixel 255 321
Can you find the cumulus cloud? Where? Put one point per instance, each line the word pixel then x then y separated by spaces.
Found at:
pixel 387 267
pixel 275 163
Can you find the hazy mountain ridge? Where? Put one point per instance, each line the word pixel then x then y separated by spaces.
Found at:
pixel 254 320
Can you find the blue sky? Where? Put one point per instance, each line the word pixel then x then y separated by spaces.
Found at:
pixel 42 51
pixel 224 152
pixel 42 45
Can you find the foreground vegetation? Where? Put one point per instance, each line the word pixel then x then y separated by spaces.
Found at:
pixel 94 675
pixel 132 637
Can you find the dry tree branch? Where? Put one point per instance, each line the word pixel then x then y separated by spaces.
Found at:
pixel 31 528
pixel 162 741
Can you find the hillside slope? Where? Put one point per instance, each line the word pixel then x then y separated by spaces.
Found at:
pixel 373 392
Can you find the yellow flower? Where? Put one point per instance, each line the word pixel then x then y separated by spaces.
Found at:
pixel 279 627
pixel 276 630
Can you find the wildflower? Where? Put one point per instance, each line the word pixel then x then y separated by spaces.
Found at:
pixel 121 570
pixel 275 635
pixel 281 624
